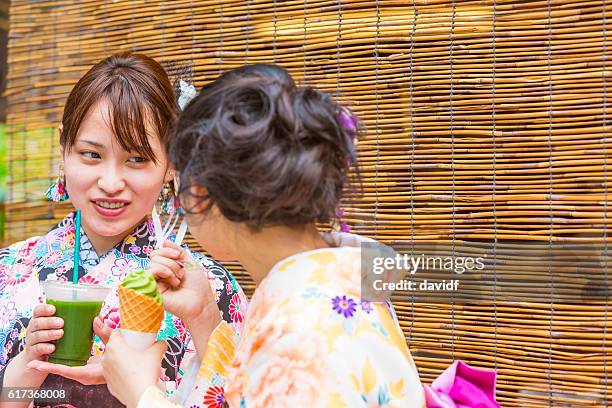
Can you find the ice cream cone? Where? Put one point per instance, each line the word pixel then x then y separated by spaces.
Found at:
pixel 139 312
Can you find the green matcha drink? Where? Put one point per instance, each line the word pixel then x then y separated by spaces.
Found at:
pixel 78 305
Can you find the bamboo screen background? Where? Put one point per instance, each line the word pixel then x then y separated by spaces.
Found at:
pixel 486 118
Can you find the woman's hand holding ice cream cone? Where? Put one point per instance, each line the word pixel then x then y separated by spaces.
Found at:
pixel 182 283
pixel 185 290
pixel 129 371
pixel 167 265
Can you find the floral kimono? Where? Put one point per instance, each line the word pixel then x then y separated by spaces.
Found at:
pixel 24 265
pixel 308 341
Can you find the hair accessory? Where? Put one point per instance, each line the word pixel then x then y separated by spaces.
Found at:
pixel 349 121
pixel 338 225
pixel 186 93
pixel 180 74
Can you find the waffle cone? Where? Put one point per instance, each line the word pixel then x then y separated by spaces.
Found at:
pixel 139 312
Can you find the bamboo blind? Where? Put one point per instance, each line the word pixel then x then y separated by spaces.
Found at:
pixel 487 121
pixel 4 8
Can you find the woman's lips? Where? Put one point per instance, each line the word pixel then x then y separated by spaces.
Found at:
pixel 110 212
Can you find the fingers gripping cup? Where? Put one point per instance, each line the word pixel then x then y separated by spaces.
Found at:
pixel 77 305
pixel 140 306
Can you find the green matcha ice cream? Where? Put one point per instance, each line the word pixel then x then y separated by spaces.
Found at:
pixel 144 283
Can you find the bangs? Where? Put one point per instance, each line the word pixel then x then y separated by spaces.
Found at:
pixel 139 97
pixel 130 117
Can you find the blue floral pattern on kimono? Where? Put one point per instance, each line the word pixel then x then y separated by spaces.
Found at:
pixel 24 265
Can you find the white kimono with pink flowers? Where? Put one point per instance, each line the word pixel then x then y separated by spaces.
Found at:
pixel 308 341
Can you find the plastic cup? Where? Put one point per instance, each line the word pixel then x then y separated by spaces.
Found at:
pixel 78 305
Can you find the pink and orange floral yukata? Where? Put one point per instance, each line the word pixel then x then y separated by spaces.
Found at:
pixel 308 341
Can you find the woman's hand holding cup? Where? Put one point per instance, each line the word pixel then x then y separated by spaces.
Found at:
pixel 43 329
pixel 91 373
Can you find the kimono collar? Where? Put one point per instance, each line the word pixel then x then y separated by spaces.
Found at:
pixel 345 239
pixel 139 242
pixel 54 254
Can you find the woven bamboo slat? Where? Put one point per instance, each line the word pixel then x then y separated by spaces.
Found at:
pixel 487 122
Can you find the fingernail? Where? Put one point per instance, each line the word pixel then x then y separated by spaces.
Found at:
pixel 51 309
pixel 59 332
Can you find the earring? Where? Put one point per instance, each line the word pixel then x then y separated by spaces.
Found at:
pixel 57 191
pixel 175 182
pixel 167 200
pixel 177 200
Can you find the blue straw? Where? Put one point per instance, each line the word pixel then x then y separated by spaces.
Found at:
pixel 77 247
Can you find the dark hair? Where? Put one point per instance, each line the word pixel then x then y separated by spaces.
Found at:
pixel 138 91
pixel 268 152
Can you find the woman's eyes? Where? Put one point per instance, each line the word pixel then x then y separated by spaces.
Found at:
pixel 90 155
pixel 137 159
pixel 94 156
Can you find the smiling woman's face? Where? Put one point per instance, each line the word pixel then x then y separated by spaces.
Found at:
pixel 115 189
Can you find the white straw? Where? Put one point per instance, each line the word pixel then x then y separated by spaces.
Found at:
pixel 181 233
pixel 163 233
pixel 157 228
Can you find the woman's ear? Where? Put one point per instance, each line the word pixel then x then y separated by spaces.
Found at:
pixel 196 199
pixel 60 129
pixel 169 175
